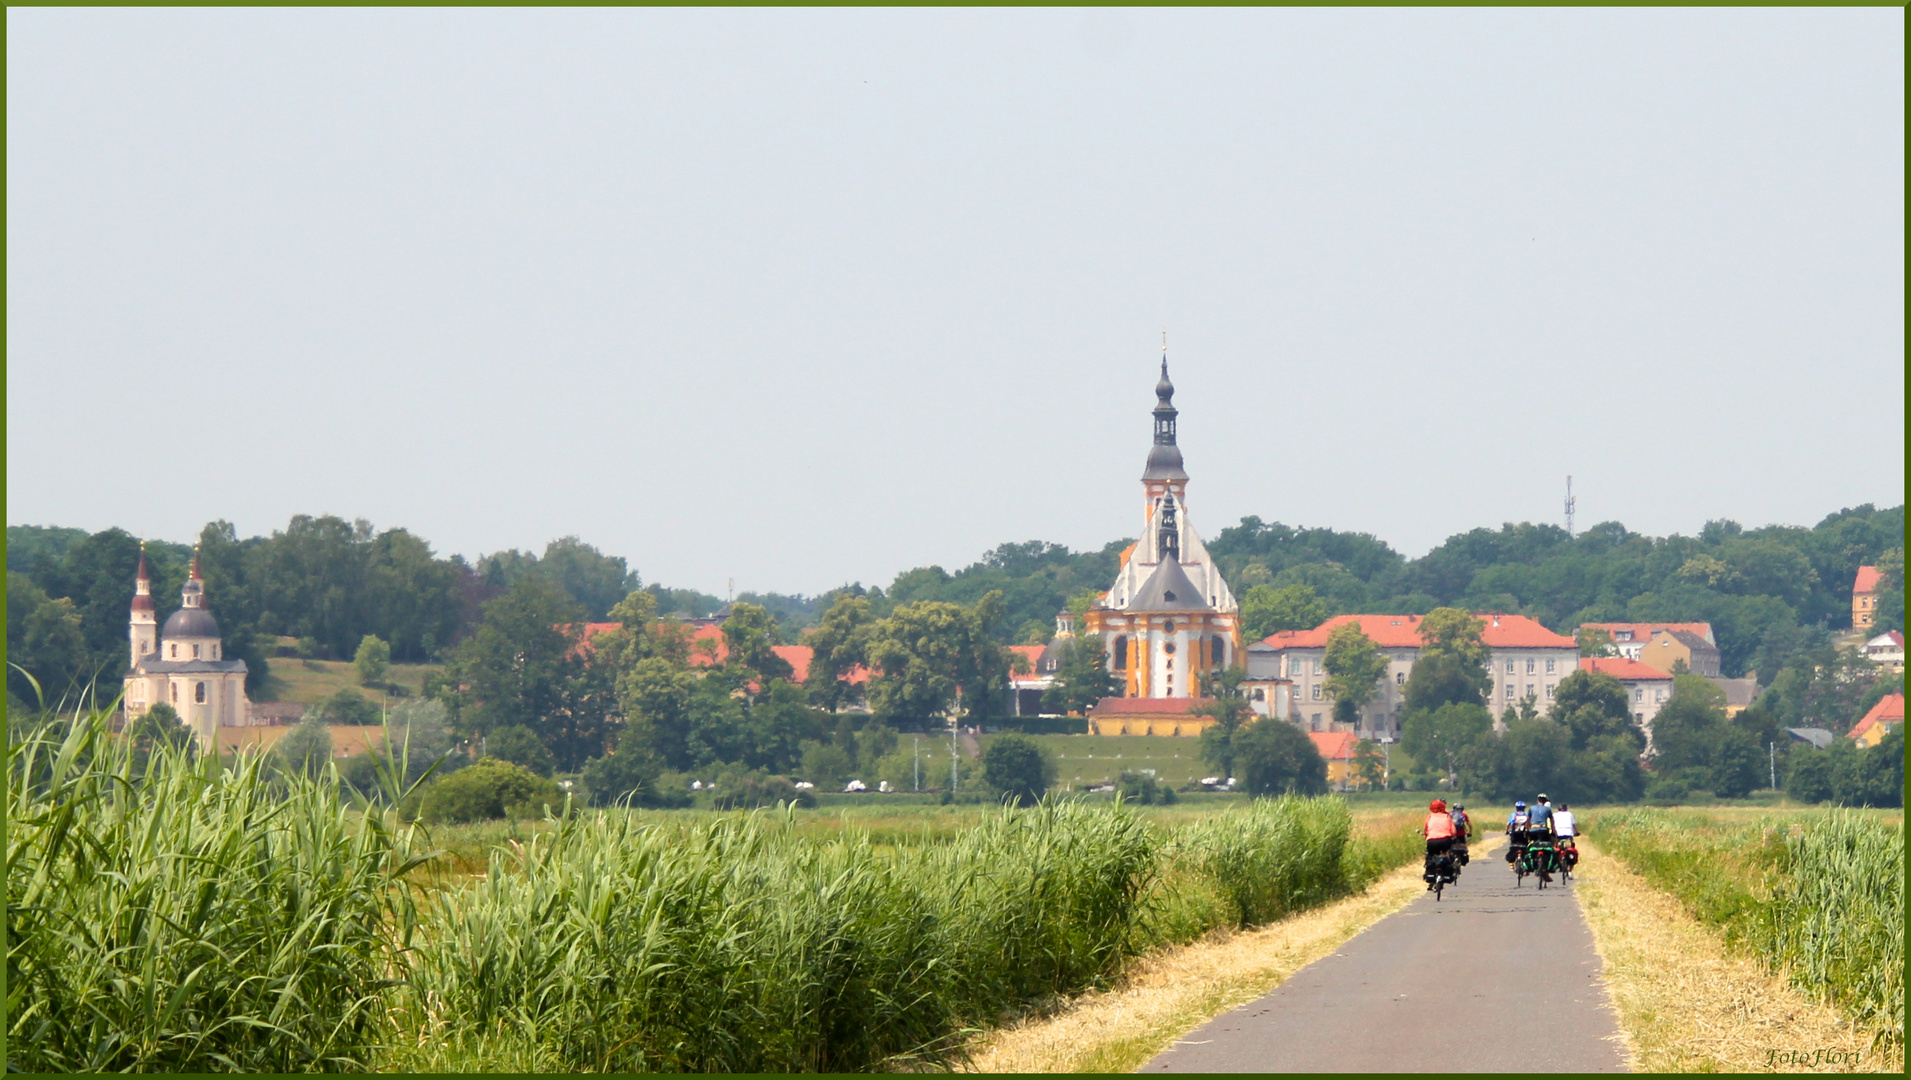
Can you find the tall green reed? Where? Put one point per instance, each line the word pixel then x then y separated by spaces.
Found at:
pixel 165 913
pixel 737 946
pixel 1271 857
pixel 1818 897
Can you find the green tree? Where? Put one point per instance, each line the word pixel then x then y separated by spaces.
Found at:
pixel 1594 642
pixel 924 651
pixel 1687 728
pixel 1442 737
pixel 519 745
pixel 1889 614
pixel 1277 758
pixel 1227 706
pixel 827 765
pixel 306 748
pixel 839 644
pixel 486 790
pixel 45 638
pixel 1739 765
pixel 372 660
pixel 1354 668
pixel 1268 610
pixel 1370 764
pixel 348 706
pixel 528 664
pixel 630 776
pixel 1082 678
pixel 1015 768
pixel 1451 667
pixel 1594 705
pixel 751 636
pixel 1527 758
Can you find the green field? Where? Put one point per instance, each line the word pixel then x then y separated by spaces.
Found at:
pixel 1085 760
pixel 307 681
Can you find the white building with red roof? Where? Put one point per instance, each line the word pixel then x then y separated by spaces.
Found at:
pixel 1524 658
pixel 1886 649
pixel 1647 688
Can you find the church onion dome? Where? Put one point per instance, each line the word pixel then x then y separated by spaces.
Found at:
pixel 1169 589
pixel 1164 463
pixel 191 622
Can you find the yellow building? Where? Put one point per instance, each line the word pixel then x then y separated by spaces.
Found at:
pixel 1883 718
pixel 1169 619
pixel 1864 597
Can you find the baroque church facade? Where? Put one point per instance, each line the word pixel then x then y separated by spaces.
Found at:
pixel 183 664
pixel 1169 619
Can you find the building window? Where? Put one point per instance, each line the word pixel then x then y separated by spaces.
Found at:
pixel 199 693
pixel 1509 691
pixel 1121 653
pixel 195 652
pixel 215 650
pixel 1316 691
pixel 1638 693
pixel 1400 678
pixel 1510 669
pixel 175 651
pixel 1294 667
pixel 1220 651
pixel 1532 691
pixel 1552 666
pixel 1660 696
pixel 1532 666
pixel 1549 691
pixel 175 687
pixel 1317 665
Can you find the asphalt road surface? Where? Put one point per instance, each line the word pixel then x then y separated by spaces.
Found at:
pixel 1492 978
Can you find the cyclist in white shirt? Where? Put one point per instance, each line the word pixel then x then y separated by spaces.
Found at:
pixel 1564 830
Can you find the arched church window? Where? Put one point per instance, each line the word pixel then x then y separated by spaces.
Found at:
pixel 175 651
pixel 195 652
pixel 1220 651
pixel 199 693
pixel 1121 653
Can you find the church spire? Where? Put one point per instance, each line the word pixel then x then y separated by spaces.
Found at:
pixel 1164 459
pixel 143 583
pixel 194 593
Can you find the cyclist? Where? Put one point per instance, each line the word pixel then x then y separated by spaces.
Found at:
pixel 1564 830
pixel 1462 826
pixel 1516 826
pixel 1541 816
pixel 1438 829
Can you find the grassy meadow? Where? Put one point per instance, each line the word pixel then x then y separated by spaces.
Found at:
pixel 309 681
pixel 167 914
pixel 1816 895
pixel 1087 760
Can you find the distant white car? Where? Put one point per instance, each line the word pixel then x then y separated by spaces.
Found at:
pixel 804 785
pixel 856 785
pixel 1210 781
pixel 696 785
pixel 883 786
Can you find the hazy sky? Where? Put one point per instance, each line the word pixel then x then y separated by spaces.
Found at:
pixel 799 297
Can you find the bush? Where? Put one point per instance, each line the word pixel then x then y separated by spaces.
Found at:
pixel 305 750
pixel 372 660
pixel 487 790
pixel 759 789
pixel 1273 757
pixel 519 745
pixel 1015 768
pixel 348 706
pixel 1141 788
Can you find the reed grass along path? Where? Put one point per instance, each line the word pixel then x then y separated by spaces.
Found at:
pixel 1492 978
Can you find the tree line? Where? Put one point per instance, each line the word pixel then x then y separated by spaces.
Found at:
pixel 1773 595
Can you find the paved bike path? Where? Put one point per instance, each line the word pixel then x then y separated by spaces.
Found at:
pixel 1492 978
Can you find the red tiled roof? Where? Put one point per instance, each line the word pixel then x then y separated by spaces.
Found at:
pixel 1144 706
pixel 1888 710
pixel 1867 581
pixel 1403 632
pixel 1643 631
pixel 1334 745
pixel 716 650
pixel 1621 668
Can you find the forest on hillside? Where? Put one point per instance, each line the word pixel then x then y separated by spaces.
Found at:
pixel 1774 594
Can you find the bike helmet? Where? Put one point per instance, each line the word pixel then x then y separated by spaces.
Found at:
pixel 1541 796
pixel 1519 804
pixel 1459 806
pixel 1437 805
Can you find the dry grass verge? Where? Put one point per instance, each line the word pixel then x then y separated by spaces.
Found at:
pixel 1688 1004
pixel 1168 994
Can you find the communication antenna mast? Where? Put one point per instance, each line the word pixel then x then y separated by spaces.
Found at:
pixel 1571 505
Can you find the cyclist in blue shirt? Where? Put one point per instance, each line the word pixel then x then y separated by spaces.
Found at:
pixel 1541 817
pixel 1516 826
